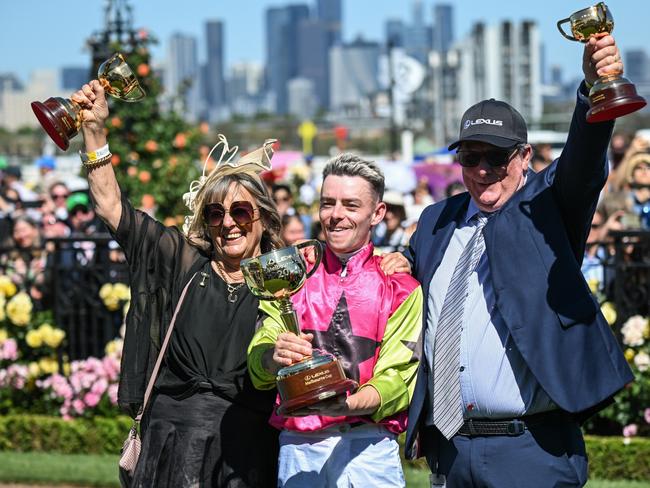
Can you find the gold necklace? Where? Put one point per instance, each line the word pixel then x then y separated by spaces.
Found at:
pixel 232 289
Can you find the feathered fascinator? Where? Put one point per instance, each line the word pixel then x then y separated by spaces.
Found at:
pixel 254 162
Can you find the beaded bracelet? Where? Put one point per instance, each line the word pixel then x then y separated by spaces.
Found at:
pixel 98 162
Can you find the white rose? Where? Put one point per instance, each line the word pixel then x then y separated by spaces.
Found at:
pixel 642 361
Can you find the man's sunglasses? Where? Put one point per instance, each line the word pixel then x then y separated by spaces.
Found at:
pixel 494 157
pixel 242 213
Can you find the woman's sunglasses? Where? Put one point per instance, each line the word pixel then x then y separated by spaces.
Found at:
pixel 494 157
pixel 242 213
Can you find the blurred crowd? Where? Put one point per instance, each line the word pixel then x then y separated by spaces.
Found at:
pixel 32 215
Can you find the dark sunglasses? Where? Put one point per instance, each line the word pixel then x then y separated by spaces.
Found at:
pixel 242 213
pixel 56 196
pixel 494 157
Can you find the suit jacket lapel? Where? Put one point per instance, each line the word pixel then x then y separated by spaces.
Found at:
pixel 450 218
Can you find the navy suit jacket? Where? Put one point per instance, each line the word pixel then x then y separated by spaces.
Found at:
pixel 535 244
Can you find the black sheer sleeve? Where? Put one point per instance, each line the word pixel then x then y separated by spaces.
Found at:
pixel 159 260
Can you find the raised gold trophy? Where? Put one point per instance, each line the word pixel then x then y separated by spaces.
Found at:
pixel 612 96
pixel 277 275
pixel 61 117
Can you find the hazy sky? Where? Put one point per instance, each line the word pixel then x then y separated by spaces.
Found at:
pixel 51 33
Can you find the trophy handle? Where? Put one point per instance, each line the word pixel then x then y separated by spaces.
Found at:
pixel 559 27
pixel 318 248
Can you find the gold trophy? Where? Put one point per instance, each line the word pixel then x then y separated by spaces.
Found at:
pixel 612 96
pixel 61 117
pixel 277 275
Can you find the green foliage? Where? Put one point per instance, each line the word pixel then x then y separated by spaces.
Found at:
pixel 97 435
pixel 155 152
pixel 610 458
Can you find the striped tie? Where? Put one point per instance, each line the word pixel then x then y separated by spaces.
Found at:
pixel 447 400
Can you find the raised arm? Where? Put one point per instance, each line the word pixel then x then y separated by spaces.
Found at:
pixel 582 168
pixel 104 189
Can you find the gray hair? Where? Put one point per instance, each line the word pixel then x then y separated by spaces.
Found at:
pixel 215 189
pixel 347 164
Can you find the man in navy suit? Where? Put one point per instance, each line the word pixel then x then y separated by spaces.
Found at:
pixel 516 351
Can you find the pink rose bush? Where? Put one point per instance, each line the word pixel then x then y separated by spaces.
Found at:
pixel 90 389
pixel 35 376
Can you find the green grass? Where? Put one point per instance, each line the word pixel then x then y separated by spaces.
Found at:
pixel 58 469
pixel 101 471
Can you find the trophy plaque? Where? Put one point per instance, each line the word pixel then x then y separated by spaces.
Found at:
pixel 277 275
pixel 611 96
pixel 61 117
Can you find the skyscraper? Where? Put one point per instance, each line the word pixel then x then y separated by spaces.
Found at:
pixel 214 66
pixel 282 50
pixel 443 27
pixel 182 76
pixel 354 70
pixel 418 36
pixel 73 78
pixel 637 65
pixel 313 59
pixel 499 61
pixel 330 13
pixel 394 31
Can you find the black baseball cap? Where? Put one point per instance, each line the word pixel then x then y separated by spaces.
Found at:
pixel 493 122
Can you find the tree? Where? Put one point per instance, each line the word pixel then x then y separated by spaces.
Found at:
pixel 154 151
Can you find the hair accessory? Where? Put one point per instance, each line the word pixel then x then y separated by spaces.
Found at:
pixel 254 162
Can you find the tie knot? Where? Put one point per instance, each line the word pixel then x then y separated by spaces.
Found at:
pixel 482 218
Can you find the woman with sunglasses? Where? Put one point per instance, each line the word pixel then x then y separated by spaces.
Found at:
pixel 205 424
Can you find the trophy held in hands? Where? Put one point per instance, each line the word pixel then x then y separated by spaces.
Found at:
pixel 277 275
pixel 61 117
pixel 612 96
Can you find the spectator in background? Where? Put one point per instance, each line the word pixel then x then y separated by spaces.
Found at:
pixel 293 229
pixel 12 180
pixel 619 178
pixel 454 188
pixel 538 163
pixel 638 181
pixel 283 199
pixel 81 217
pixel 59 193
pixel 632 191
pixel 544 151
pixel 389 234
pixel 11 204
pixel 617 149
pixel 595 253
pixel 46 167
pixel 25 263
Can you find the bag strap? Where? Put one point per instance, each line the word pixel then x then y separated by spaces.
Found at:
pixel 163 348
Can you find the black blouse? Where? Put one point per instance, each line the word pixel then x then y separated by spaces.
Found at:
pixel 207 350
pixel 211 336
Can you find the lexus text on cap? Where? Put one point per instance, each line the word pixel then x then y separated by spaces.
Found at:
pixel 492 122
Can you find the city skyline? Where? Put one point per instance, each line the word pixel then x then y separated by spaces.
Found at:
pixel 245 34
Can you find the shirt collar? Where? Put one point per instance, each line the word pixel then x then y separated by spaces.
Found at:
pixel 472 210
pixel 354 262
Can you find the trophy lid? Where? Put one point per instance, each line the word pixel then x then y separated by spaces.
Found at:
pixel 317 359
